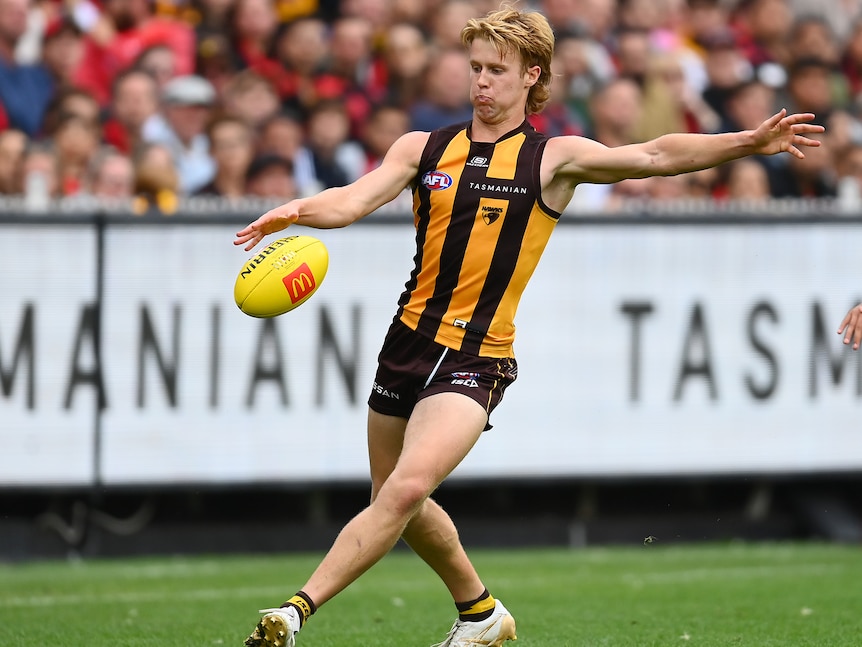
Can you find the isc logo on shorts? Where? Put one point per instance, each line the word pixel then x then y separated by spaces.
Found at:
pixel 465 379
pixel 436 180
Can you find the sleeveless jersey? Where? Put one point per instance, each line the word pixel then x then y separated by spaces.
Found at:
pixel 481 227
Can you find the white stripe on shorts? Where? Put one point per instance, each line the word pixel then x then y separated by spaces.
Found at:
pixel 436 366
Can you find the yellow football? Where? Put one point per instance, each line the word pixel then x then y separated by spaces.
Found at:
pixel 281 277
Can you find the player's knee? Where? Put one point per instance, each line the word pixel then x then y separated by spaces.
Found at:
pixel 404 496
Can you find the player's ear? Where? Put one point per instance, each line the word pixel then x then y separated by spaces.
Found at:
pixel 532 75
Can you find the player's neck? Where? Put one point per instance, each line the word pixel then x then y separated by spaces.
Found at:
pixel 483 131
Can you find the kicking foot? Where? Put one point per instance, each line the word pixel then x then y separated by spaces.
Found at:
pixel 277 628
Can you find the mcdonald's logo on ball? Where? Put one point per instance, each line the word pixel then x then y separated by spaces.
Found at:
pixel 281 277
pixel 299 283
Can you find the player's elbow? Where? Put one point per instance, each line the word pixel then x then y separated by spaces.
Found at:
pixel 341 209
pixel 342 218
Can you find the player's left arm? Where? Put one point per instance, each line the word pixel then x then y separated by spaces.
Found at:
pixel 851 327
pixel 577 159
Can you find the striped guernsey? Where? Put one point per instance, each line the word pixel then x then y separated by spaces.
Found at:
pixel 481 227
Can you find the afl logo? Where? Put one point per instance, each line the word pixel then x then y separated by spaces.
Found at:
pixel 436 181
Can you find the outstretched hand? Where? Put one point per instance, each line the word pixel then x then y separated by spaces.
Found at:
pixel 272 221
pixel 851 327
pixel 786 133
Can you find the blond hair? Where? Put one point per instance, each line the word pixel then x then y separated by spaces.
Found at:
pixel 526 33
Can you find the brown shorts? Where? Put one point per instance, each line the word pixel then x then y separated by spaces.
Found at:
pixel 411 367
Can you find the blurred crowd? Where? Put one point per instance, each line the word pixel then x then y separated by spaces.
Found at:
pixel 154 101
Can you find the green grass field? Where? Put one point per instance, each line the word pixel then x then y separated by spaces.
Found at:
pixel 652 595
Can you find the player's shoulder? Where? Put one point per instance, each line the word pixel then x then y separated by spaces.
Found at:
pixel 414 138
pixel 410 144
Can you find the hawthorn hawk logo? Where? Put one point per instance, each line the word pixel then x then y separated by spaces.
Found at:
pixel 491 214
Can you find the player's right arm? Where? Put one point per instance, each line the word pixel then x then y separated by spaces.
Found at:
pixel 340 206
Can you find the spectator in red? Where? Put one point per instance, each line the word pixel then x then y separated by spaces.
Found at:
pixel 359 75
pixel 123 30
pixel 134 100
pixel 253 24
pixel 62 51
pixel 302 49
pixel 25 89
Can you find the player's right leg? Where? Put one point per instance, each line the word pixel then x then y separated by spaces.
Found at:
pixel 432 534
pixel 436 439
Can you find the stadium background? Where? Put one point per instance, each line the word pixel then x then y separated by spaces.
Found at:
pixel 680 375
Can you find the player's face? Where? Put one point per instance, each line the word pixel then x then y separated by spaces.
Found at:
pixel 498 84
